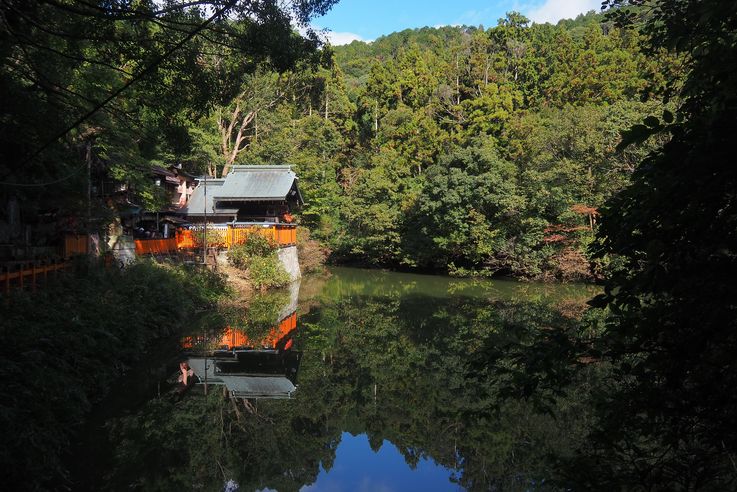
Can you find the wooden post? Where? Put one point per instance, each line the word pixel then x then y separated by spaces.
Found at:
pixel 20 275
pixel 33 277
pixel 7 279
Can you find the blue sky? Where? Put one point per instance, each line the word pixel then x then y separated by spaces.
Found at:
pixel 368 19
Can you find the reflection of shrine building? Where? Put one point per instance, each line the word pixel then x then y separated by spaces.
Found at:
pixel 251 373
pixel 251 368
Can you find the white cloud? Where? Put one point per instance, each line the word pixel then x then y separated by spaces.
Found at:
pixel 554 10
pixel 332 37
pixel 339 38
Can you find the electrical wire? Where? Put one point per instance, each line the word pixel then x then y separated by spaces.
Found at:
pixel 112 96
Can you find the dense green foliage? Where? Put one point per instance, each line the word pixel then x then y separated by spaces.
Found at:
pixel 267 272
pixel 108 89
pixel 257 255
pixel 384 135
pixel 458 148
pixel 672 333
pixel 255 244
pixel 64 347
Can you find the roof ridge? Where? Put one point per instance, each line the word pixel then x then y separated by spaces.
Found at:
pixel 248 167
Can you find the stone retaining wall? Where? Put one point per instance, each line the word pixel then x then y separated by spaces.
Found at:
pixel 288 258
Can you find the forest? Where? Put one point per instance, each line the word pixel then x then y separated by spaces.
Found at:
pixel 598 148
pixel 466 150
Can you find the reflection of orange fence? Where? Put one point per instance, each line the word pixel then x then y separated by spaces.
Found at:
pixel 277 334
pixel 156 246
pixel 235 338
pixel 75 244
pixel 277 337
pixel 22 274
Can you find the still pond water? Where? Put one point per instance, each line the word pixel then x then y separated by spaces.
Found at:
pixel 361 380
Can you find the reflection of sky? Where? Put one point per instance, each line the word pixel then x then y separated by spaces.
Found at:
pixel 358 468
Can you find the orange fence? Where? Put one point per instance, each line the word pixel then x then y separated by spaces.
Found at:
pixel 156 246
pixel 22 274
pixel 281 234
pixel 189 239
pixel 185 239
pixel 75 244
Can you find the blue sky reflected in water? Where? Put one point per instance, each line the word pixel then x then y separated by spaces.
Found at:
pixel 358 468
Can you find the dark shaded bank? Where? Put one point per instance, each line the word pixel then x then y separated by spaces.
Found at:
pixel 63 348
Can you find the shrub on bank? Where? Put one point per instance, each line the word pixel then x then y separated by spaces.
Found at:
pixel 267 272
pixel 258 257
pixel 255 245
pixel 312 253
pixel 65 345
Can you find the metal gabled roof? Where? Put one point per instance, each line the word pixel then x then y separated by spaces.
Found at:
pixel 253 183
pixel 244 184
pixel 247 385
pixel 196 205
pixel 259 386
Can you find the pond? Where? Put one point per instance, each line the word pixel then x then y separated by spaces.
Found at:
pixel 359 380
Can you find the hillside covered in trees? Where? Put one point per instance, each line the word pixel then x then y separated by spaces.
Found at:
pixel 603 145
pixel 468 150
pixel 460 149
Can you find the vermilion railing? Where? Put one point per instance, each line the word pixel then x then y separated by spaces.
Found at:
pixel 156 246
pixel 28 274
pixel 185 239
pixel 232 234
pixel 190 239
pixel 75 244
pixel 281 234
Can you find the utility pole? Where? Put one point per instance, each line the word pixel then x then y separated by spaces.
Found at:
pixel 206 349
pixel 204 235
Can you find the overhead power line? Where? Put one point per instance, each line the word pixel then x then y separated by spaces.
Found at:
pixel 116 93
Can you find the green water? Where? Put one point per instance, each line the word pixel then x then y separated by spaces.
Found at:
pixel 406 382
pixel 348 282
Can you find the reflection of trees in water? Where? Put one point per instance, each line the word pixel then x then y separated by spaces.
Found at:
pixel 394 368
pixel 201 442
pixel 486 389
pixel 429 401
pixel 254 318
